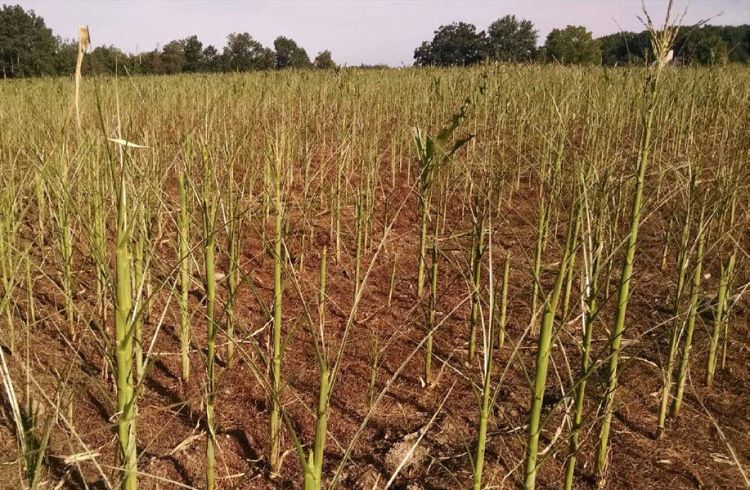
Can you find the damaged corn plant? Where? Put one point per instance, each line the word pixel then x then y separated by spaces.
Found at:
pixel 475 277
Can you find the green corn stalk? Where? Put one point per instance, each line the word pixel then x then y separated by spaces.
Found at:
pixel 7 275
pixel 477 252
pixel 661 42
pixel 719 317
pixel 682 267
pixel 485 408
pixel 145 292
pixel 540 234
pixel 722 308
pixel 312 461
pixel 502 314
pixel 433 153
pixel 730 275
pixel 424 212
pixel 99 239
pixel 569 280
pixel 41 208
pixel 209 230
pixel 360 231
pixel 431 324
pixel 619 204
pixel 124 318
pixel 374 358
pixel 568 287
pixel 543 352
pixel 543 219
pixel 62 220
pixel 321 425
pixel 692 314
pixel 30 291
pixel 366 206
pixel 588 316
pixel 727 311
pixel 313 465
pixel 275 448
pixel 36 446
pixel 337 213
pixel 66 254
pixel 233 271
pixel 183 247
pixel 138 281
pixel 266 197
pixel 27 426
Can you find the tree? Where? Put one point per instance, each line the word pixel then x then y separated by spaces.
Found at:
pixel 456 44
pixel 626 48
pixel 423 54
pixel 266 59
pixel 708 45
pixel 212 59
pixel 711 49
pixel 243 53
pixel 194 58
pixel 738 42
pixel 173 57
pixel 324 60
pixel 107 60
pixel 697 45
pixel 27 45
pixel 65 57
pixel 148 63
pixel 572 45
pixel 289 54
pixel 510 39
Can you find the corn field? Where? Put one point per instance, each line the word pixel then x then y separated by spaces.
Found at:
pixel 491 277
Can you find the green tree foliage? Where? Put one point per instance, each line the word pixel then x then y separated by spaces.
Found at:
pixel 511 39
pixel 626 48
pixel 710 50
pixel 27 45
pixel 29 48
pixel 457 44
pixel 243 53
pixel 708 45
pixel 572 45
pixel 697 45
pixel 738 42
pixel 149 63
pixel 194 59
pixel 173 57
pixel 289 54
pixel 106 59
pixel 212 60
pixel 423 54
pixel 324 60
pixel 65 57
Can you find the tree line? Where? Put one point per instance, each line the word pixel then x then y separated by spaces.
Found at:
pixel 29 48
pixel 510 39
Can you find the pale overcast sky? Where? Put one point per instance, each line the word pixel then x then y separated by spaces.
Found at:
pixel 356 31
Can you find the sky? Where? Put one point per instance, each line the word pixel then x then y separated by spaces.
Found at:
pixel 356 31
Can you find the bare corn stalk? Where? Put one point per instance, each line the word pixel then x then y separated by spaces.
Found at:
pixel 661 41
